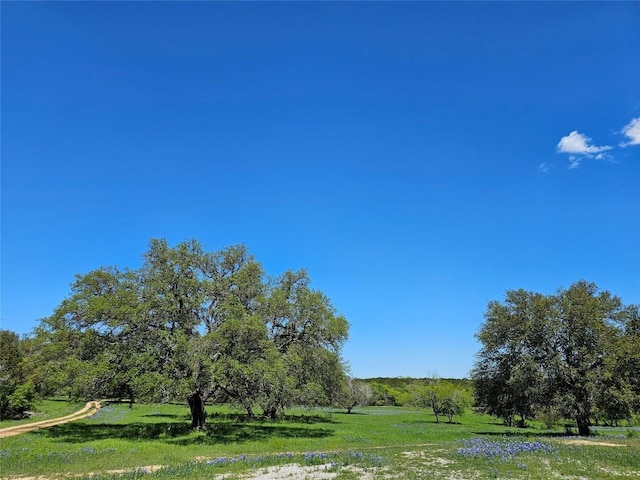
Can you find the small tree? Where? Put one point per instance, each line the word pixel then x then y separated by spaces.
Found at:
pixel 455 401
pixel 434 397
pixel 444 398
pixel 357 393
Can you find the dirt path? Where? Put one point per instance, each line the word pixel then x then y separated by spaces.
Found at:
pixel 91 408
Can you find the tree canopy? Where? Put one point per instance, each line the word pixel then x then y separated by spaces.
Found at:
pixel 17 393
pixel 189 319
pixel 574 353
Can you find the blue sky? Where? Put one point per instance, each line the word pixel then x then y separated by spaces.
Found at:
pixel 418 159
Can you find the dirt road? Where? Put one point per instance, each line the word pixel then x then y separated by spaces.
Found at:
pixel 91 408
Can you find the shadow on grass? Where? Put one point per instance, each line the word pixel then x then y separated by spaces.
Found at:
pixel 241 433
pixel 163 415
pixel 432 422
pixel 292 419
pixel 221 429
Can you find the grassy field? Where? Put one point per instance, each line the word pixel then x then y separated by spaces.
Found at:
pixel 377 442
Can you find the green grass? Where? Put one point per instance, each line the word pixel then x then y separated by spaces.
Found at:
pixel 389 442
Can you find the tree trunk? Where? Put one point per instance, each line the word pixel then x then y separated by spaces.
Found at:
pixel 271 412
pixel 198 413
pixel 583 426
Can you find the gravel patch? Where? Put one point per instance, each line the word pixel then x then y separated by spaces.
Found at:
pixel 294 471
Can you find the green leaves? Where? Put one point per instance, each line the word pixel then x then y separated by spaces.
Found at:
pixel 557 352
pixel 17 394
pixel 443 397
pixel 195 319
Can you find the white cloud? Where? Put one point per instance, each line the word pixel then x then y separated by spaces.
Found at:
pixel 632 131
pixel 574 162
pixel 543 167
pixel 578 144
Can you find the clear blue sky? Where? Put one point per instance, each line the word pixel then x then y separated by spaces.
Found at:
pixel 418 159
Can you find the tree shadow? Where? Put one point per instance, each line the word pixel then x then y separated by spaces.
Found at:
pixel 221 429
pixel 244 418
pixel 432 422
pixel 351 414
pixel 165 415
pixel 244 432
pixel 87 432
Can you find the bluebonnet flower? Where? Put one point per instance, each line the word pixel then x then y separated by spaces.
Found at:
pixel 220 461
pixel 315 457
pixel 501 450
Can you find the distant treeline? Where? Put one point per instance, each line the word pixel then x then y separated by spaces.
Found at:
pixel 400 391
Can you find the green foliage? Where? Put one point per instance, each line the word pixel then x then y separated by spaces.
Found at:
pixel 575 353
pixel 383 395
pixel 17 393
pixel 192 319
pixel 401 391
pixel 22 398
pixel 442 397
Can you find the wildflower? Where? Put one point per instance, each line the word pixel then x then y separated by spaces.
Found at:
pixel 219 461
pixel 504 450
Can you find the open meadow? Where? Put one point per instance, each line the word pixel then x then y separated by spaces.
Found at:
pixel 373 442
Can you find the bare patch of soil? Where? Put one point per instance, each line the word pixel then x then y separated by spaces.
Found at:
pixel 294 471
pixel 599 443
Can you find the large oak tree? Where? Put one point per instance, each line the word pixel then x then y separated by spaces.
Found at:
pixel 189 319
pixel 574 352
